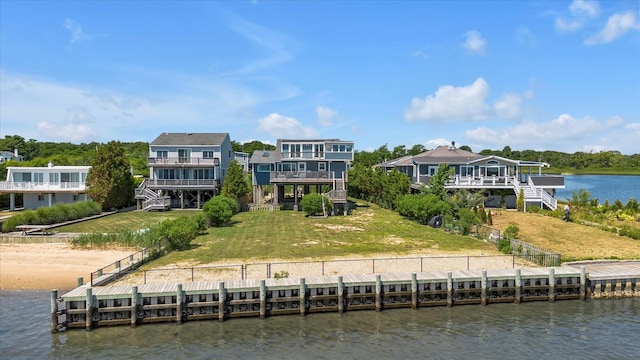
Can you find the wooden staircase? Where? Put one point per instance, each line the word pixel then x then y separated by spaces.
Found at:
pixel 534 194
pixel 152 200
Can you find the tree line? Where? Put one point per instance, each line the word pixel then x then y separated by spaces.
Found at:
pixel 603 162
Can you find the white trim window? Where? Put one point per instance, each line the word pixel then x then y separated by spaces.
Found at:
pixel 302 166
pixel 208 154
pixel 162 154
pixel 264 167
pixel 322 166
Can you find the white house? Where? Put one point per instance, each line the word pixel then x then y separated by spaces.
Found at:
pixel 45 186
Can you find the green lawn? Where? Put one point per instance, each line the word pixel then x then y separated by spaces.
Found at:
pixel 291 235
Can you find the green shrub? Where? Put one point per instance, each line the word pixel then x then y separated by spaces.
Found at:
pixel 312 204
pixel 504 245
pixel 52 215
pixel 178 233
pixel 520 200
pixel 219 210
pixel 629 232
pixel 512 231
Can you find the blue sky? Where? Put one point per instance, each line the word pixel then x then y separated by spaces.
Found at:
pixel 551 75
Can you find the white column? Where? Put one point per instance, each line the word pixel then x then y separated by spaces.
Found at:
pixel 12 202
pixel 50 199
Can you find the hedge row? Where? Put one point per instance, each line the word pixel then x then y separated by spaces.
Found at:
pixel 52 215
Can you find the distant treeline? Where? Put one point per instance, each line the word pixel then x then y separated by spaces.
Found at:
pixel 605 162
pixel 40 153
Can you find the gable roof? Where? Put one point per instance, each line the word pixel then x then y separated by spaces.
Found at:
pixel 446 154
pixel 190 139
pixel 265 157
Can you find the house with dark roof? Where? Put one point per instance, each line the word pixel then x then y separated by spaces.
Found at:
pixel 185 170
pixel 298 166
pixel 492 174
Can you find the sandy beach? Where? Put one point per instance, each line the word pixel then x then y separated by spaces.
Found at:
pixel 58 265
pixel 50 266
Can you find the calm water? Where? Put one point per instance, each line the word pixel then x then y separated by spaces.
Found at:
pixel 602 329
pixel 602 187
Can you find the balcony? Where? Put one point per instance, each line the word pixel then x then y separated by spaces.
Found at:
pixel 182 184
pixel 182 161
pixel 7 187
pixel 299 177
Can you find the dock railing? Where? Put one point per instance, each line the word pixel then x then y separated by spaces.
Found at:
pixel 117 269
pixel 325 267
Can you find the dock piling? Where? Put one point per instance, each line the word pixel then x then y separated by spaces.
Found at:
pixel 54 311
pixel 221 300
pixel 179 303
pixel 583 283
pixel 340 295
pixel 552 284
pixel 303 296
pixel 263 299
pixel 89 310
pixel 378 293
pixel 414 291
pixel 134 305
pixel 449 289
pixel 518 286
pixel 483 288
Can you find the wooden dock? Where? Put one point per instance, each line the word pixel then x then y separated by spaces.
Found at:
pixel 88 307
pixel 612 279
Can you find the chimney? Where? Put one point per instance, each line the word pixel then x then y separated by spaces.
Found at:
pixel 50 164
pixel 15 152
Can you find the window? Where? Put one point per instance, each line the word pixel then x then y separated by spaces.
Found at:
pixel 264 167
pixel 162 154
pixel 40 197
pixel 302 166
pixel 307 151
pixel 319 151
pixel 288 167
pixel 322 166
pixel 54 178
pixel 285 151
pixel 166 174
pixel 184 155
pixel 38 177
pixel 75 197
pixel 207 154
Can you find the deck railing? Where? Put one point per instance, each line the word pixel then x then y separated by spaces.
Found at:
pixel 181 161
pixel 41 186
pixel 301 175
pixel 117 269
pixel 327 267
pixel 204 183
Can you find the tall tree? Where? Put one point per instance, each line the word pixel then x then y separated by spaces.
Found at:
pixel 235 184
pixel 109 181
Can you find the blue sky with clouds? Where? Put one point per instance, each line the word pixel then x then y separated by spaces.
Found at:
pixel 556 75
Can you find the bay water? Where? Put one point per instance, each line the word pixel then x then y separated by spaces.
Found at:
pixel 602 187
pixel 570 329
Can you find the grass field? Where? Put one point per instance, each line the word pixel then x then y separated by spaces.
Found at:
pixel 368 231
pixel 573 240
pixel 291 235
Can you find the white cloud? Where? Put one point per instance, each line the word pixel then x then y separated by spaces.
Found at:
pixel 581 11
pixel 326 116
pixel 508 107
pixel 567 25
pixel 437 142
pixel 273 42
pixel 584 7
pixel 452 103
pixel 281 126
pixel 52 111
pixel 564 133
pixel 617 25
pixel 475 44
pixel 420 54
pixel 75 31
pixel 465 103
pixel 525 36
